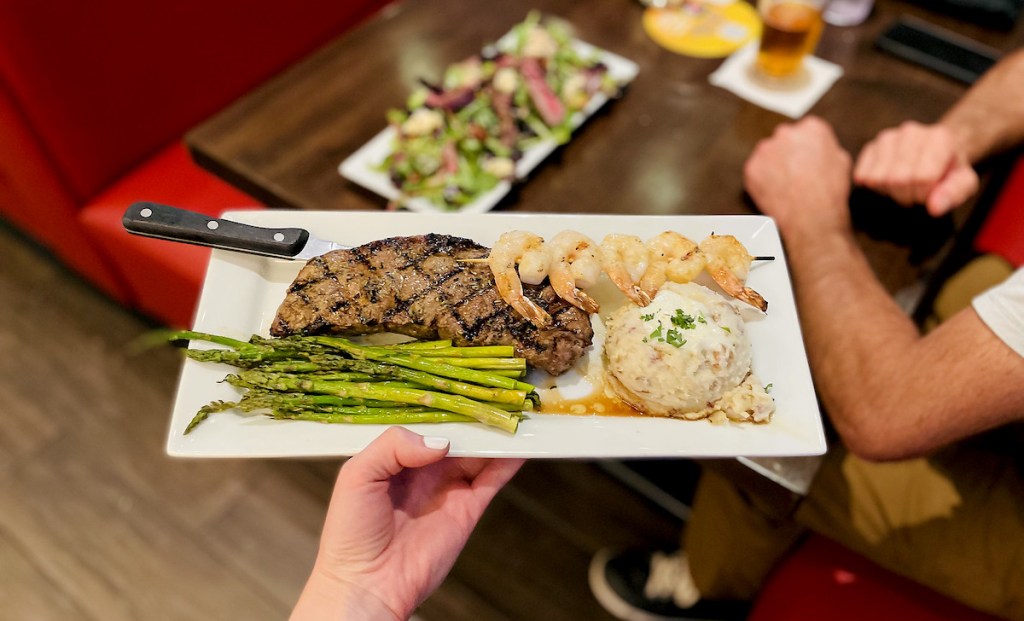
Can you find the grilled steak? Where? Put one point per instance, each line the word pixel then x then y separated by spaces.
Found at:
pixel 415 286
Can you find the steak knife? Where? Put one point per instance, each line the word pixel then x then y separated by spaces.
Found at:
pixel 165 222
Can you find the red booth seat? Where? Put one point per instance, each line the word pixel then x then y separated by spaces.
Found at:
pixel 34 198
pixel 94 100
pixel 1003 231
pixel 824 580
pixel 163 277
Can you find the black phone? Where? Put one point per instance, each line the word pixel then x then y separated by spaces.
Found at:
pixel 936 48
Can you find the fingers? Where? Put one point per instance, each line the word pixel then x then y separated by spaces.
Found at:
pixel 872 160
pixel 808 131
pixel 800 176
pixel 882 165
pixel 398 448
pixel 894 171
pixel 933 161
pixel 819 127
pixel 908 162
pixel 496 474
pixel 807 128
pixel 959 184
pixel 393 451
pixel 486 476
pixel 798 150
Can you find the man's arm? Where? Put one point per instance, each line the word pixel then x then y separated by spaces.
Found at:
pixel 932 164
pixel 990 117
pixel 890 392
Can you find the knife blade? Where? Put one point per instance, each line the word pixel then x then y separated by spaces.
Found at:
pixel 150 219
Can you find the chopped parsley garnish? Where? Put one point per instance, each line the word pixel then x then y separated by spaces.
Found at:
pixel 674 338
pixel 768 388
pixel 684 321
pixel 671 336
pixel 726 328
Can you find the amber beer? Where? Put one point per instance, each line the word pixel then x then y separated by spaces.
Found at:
pixel 790 32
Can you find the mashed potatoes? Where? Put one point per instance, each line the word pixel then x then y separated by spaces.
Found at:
pixel 685 355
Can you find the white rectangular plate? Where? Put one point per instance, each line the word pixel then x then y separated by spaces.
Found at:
pixel 242 292
pixel 363 166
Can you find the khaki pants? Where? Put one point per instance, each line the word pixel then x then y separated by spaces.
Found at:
pixel 953 522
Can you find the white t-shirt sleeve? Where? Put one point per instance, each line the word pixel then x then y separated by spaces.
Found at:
pixel 1002 310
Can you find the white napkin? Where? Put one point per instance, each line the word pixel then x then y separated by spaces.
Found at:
pixel 735 74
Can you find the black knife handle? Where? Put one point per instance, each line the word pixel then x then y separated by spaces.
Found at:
pixel 166 222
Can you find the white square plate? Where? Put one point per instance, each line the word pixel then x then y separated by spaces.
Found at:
pixel 363 166
pixel 242 292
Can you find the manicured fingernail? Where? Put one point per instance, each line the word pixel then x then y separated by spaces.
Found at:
pixel 435 442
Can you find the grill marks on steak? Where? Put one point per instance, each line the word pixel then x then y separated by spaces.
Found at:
pixel 416 286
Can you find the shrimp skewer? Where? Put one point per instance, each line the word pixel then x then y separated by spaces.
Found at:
pixel 728 262
pixel 533 263
pixel 572 262
pixel 672 257
pixel 575 264
pixel 520 247
pixel 625 259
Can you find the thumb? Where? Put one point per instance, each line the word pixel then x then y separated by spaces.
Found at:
pixel 393 451
pixel 952 190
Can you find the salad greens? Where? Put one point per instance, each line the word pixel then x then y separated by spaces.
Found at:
pixel 458 139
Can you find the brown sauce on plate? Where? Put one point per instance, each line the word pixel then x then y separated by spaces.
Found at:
pixel 594 404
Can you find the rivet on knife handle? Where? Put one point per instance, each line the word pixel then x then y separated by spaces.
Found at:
pixel 166 222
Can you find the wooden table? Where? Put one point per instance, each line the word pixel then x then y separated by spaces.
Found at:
pixel 673 144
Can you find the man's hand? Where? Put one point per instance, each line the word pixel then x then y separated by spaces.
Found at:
pixel 801 177
pixel 918 164
pixel 400 514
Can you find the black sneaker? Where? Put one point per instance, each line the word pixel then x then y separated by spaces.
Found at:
pixel 640 585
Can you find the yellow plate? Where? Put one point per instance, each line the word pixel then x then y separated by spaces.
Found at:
pixel 705 29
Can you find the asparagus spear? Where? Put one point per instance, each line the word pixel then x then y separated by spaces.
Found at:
pixel 419 345
pixel 489 364
pixel 424 364
pixel 368 370
pixel 504 373
pixel 470 351
pixel 338 414
pixel 190 335
pixel 451 403
pixel 256 399
pixel 246 358
pixel 205 411
pixel 399 416
pixel 388 382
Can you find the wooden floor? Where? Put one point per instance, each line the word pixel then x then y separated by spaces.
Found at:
pixel 97 523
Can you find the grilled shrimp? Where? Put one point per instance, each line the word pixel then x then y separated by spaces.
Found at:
pixel 624 259
pixel 534 259
pixel 673 257
pixel 728 262
pixel 529 252
pixel 575 264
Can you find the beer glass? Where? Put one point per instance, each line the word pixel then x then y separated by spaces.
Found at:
pixel 790 31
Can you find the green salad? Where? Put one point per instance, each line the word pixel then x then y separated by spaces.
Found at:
pixel 458 139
